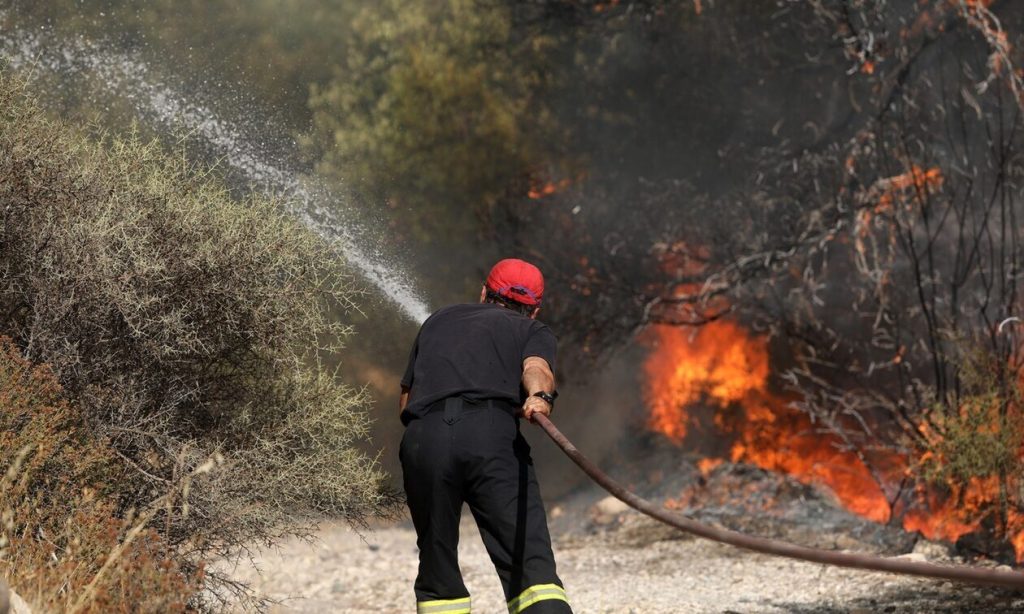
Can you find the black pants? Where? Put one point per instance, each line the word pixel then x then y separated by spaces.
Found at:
pixel 473 453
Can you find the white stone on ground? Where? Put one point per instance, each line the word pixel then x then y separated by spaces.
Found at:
pixel 344 573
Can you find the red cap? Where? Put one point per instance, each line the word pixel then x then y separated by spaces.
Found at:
pixel 517 280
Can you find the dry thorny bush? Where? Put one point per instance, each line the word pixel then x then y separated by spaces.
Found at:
pixel 184 324
pixel 58 503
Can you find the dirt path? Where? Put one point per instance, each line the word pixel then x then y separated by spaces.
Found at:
pixel 635 568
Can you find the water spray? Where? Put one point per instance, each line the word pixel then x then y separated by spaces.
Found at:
pixel 161 105
pixel 774 547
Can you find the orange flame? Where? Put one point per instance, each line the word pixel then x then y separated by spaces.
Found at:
pixel 707 465
pixel 606 6
pixel 540 190
pixel 722 365
pixel 713 363
pixel 725 367
pixel 951 517
pixel 907 188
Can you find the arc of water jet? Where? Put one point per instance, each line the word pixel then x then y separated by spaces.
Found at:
pixel 129 78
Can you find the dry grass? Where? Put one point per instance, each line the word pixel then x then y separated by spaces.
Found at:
pixel 60 522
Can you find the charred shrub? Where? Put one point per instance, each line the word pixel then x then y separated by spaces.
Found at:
pixel 183 323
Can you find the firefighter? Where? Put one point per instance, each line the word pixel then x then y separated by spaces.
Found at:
pixel 474 370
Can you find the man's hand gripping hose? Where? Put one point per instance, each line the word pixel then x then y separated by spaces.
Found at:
pixel 972 575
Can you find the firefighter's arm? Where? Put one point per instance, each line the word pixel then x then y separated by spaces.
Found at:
pixel 537 377
pixel 403 399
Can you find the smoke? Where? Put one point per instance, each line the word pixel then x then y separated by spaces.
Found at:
pixel 601 413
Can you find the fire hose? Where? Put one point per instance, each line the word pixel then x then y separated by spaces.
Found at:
pixel 972 575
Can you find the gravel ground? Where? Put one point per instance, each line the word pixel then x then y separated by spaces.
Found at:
pixel 631 566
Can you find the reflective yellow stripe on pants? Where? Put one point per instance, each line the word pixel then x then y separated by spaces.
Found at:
pixel 537 592
pixel 443 606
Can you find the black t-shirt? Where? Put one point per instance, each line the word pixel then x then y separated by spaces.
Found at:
pixel 475 351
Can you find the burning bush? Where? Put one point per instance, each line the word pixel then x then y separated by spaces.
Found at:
pixel 877 234
pixel 971 455
pixel 984 434
pixel 183 324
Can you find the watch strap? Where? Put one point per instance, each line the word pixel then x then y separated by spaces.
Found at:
pixel 549 397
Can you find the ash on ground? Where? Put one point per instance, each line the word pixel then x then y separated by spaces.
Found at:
pixel 739 497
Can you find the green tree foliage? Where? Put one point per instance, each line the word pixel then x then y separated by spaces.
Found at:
pixel 977 438
pixel 184 324
pixel 434 109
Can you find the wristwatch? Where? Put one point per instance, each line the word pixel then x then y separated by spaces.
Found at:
pixel 550 398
